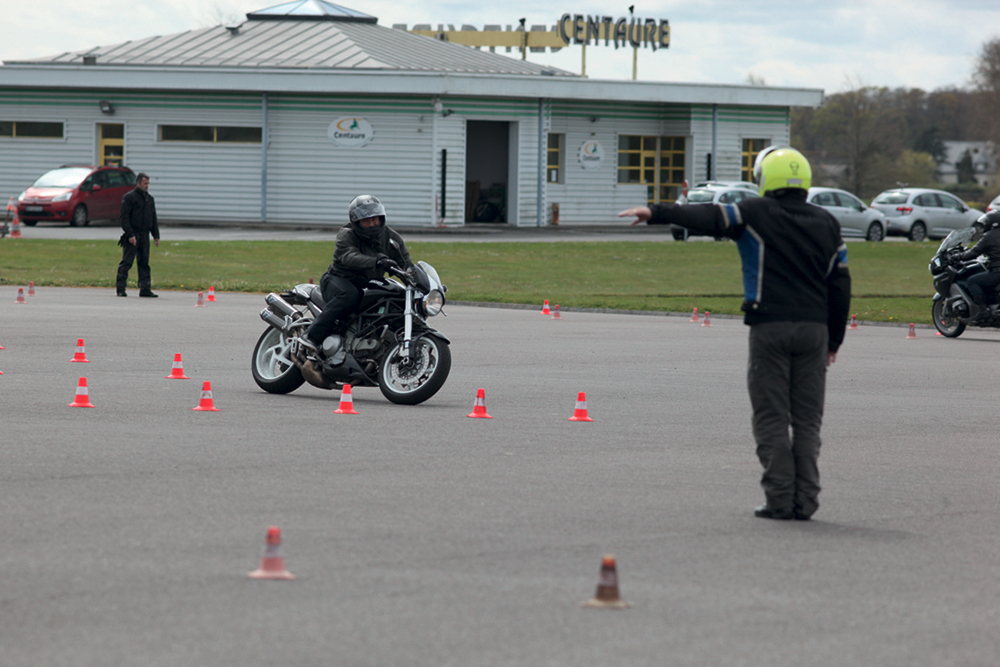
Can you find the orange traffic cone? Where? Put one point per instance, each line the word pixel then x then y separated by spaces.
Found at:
pixel 708 320
pixel 555 313
pixel 607 596
pixel 694 316
pixel 479 407
pixel 201 301
pixel 580 413
pixel 936 333
pixel 80 356
pixel 177 370
pixel 15 226
pixel 913 332
pixel 211 294
pixel 346 402
pixel 545 308
pixel 854 322
pixel 20 296
pixel 272 564
pixel 82 399
pixel 206 403
pixel 31 288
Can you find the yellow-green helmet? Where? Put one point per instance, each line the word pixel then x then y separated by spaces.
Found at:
pixel 780 167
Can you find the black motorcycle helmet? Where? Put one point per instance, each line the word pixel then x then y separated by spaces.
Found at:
pixel 989 221
pixel 362 207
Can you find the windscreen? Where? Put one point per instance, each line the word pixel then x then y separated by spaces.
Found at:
pixel 67 177
pixel 701 196
pixel 891 198
pixel 959 236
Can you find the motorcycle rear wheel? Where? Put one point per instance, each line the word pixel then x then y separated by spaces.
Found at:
pixel 414 382
pixel 948 326
pixel 272 366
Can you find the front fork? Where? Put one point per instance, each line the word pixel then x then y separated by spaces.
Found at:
pixel 408 323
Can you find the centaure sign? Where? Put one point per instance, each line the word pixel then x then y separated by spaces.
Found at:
pixel 634 32
pixel 350 132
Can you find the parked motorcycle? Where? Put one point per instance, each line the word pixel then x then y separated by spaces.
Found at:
pixel 950 310
pixel 386 343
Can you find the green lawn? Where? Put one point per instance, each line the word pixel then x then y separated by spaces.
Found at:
pixel 891 281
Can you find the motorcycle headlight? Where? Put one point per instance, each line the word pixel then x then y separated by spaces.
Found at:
pixel 433 302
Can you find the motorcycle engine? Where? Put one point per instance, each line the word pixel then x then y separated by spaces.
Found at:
pixel 333 351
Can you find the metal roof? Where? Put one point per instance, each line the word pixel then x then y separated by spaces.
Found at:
pixel 295 42
pixel 315 10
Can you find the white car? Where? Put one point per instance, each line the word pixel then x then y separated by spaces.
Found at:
pixel 856 219
pixel 713 194
pixel 994 205
pixel 919 213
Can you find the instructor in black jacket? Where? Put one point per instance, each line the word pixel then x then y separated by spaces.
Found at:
pixel 797 292
pixel 138 220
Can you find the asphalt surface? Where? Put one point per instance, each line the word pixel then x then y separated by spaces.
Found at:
pixel 422 537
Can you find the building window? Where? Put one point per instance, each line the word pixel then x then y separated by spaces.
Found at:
pixel 555 158
pixel 656 162
pixel 211 134
pixel 30 130
pixel 751 147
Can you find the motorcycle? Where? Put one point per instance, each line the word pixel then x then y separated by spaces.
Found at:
pixel 386 343
pixel 950 311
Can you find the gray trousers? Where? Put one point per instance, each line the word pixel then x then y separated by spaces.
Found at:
pixel 786 376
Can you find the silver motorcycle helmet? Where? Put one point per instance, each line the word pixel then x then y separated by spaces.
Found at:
pixel 363 207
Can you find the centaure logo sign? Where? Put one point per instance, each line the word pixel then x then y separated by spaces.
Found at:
pixel 350 132
pixel 591 154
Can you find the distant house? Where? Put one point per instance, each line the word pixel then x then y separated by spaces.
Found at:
pixel 984 161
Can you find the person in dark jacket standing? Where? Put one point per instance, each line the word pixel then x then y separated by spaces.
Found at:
pixel 365 249
pixel 138 220
pixel 989 245
pixel 797 292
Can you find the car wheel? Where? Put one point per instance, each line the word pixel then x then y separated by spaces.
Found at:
pixel 79 218
pixel 679 235
pixel 918 232
pixel 875 232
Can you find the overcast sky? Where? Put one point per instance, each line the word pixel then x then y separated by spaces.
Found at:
pixel 828 44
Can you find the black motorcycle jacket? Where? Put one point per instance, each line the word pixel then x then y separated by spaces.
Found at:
pixel 794 260
pixel 138 214
pixel 355 256
pixel 988 245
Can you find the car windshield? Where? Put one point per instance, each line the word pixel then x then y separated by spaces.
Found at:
pixel 891 198
pixel 700 196
pixel 67 177
pixel 959 236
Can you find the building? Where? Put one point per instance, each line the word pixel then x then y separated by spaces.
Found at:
pixel 984 161
pixel 287 116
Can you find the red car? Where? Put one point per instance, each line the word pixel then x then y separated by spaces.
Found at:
pixel 76 194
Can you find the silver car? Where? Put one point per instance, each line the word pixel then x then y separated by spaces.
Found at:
pixel 919 213
pixel 856 219
pixel 712 194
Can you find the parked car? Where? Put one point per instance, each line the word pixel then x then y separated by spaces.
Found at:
pixel 75 194
pixel 713 194
pixel 746 185
pixel 994 205
pixel 856 219
pixel 919 213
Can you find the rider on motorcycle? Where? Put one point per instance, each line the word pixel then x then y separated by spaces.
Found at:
pixel 989 245
pixel 365 249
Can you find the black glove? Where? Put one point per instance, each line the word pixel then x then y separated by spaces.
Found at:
pixel 384 262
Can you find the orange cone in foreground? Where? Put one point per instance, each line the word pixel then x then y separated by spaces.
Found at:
pixel 346 402
pixel 607 596
pixel 479 408
pixel 545 308
pixel 177 370
pixel 913 331
pixel 694 316
pixel 272 564
pixel 201 301
pixel 708 320
pixel 20 296
pixel 580 413
pixel 80 356
pixel 82 399
pixel 211 294
pixel 854 322
pixel 555 313
pixel 207 403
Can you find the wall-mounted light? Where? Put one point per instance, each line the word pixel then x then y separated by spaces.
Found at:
pixel 447 112
pixel 594 119
pixel 106 107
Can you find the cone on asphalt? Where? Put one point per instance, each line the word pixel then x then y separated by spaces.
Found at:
pixel 211 294
pixel 177 370
pixel 694 316
pixel 206 403
pixel 854 322
pixel 555 313
pixel 913 331
pixel 272 564
pixel 15 226
pixel 580 413
pixel 20 296
pixel 31 288
pixel 201 301
pixel 346 402
pixel 607 596
pixel 82 399
pixel 479 408
pixel 545 308
pixel 708 320
pixel 80 356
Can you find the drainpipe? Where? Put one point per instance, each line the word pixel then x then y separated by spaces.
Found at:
pixel 542 154
pixel 715 139
pixel 263 158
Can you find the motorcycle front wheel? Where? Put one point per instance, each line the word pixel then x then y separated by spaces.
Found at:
pixel 272 366
pixel 948 326
pixel 415 380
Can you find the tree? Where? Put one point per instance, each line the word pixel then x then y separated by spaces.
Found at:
pixel 965 168
pixel 916 169
pixel 987 79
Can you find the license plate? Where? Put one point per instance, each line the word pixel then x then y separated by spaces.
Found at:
pixel 33 209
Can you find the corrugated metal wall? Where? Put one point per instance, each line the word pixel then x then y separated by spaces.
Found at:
pixel 735 125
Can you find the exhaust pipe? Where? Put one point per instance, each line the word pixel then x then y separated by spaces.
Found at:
pixel 280 305
pixel 275 321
